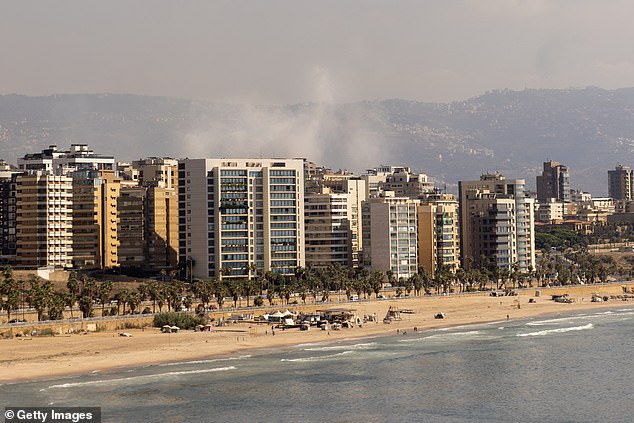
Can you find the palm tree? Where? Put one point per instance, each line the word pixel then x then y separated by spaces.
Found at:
pixel 10 288
pixel 122 299
pixel 73 291
pixel 56 305
pixel 134 299
pixel 234 291
pixel 248 288
pixel 102 294
pixel 39 295
pixel 220 291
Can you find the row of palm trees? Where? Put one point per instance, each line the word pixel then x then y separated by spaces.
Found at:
pixel 86 294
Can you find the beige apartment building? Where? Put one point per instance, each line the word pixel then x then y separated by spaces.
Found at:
pixel 44 221
pixel 131 207
pixel 95 219
pixel 438 233
pixel 497 223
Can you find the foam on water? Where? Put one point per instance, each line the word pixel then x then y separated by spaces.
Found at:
pixel 550 322
pixel 556 331
pixel 454 336
pixel 137 378
pixel 214 360
pixel 364 346
pixel 317 358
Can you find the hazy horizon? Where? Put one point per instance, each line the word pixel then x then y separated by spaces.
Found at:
pixel 293 52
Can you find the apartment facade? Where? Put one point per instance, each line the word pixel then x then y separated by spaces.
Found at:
pixel 496 223
pixel 390 235
pixel 438 233
pixel 241 216
pixel 554 182
pixel 44 221
pixel 62 162
pixel 95 219
pixel 620 183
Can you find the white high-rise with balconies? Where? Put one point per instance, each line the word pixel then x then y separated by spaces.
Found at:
pixel 241 216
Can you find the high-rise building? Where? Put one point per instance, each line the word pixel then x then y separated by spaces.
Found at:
pixel 496 223
pixel 554 182
pixel 404 183
pixel 63 162
pixel 438 233
pixel 148 228
pixel 239 216
pixel 95 219
pixel 161 225
pixel 620 183
pixel 390 236
pixel 157 171
pixel 328 235
pixel 132 234
pixel 44 221
pixel 398 179
pixel 8 176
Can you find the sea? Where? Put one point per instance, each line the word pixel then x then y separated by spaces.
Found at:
pixel 566 368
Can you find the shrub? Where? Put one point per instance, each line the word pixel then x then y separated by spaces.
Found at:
pixel 182 320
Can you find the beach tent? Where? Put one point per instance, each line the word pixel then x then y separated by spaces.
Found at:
pixel 276 317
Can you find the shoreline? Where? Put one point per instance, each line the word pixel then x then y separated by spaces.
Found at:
pixel 37 359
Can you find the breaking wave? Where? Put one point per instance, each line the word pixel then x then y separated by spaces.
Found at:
pixel 136 378
pixel 316 358
pixel 558 330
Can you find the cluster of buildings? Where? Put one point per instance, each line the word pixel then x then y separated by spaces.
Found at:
pixel 235 218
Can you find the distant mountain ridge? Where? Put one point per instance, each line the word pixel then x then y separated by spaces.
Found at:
pixel 589 129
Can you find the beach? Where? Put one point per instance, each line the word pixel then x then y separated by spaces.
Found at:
pixel 33 358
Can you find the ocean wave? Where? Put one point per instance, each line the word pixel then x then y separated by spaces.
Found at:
pixel 316 358
pixel 365 346
pixel 558 330
pixel 133 378
pixel 212 360
pixel 557 321
pixel 449 335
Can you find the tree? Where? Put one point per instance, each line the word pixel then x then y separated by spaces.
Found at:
pixel 203 289
pixel 102 294
pixel 9 288
pixel 134 299
pixel 220 291
pixel 56 305
pixel 249 287
pixel 73 291
pixel 122 299
pixel 39 295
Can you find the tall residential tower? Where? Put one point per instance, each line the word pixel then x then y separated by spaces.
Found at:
pixel 241 216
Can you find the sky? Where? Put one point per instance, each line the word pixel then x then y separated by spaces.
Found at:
pixel 285 52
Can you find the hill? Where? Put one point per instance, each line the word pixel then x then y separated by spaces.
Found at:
pixel 588 129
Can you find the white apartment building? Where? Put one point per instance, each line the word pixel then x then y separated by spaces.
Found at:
pixel 239 216
pixel 63 162
pixel 390 236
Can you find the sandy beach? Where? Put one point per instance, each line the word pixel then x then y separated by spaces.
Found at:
pixel 31 358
